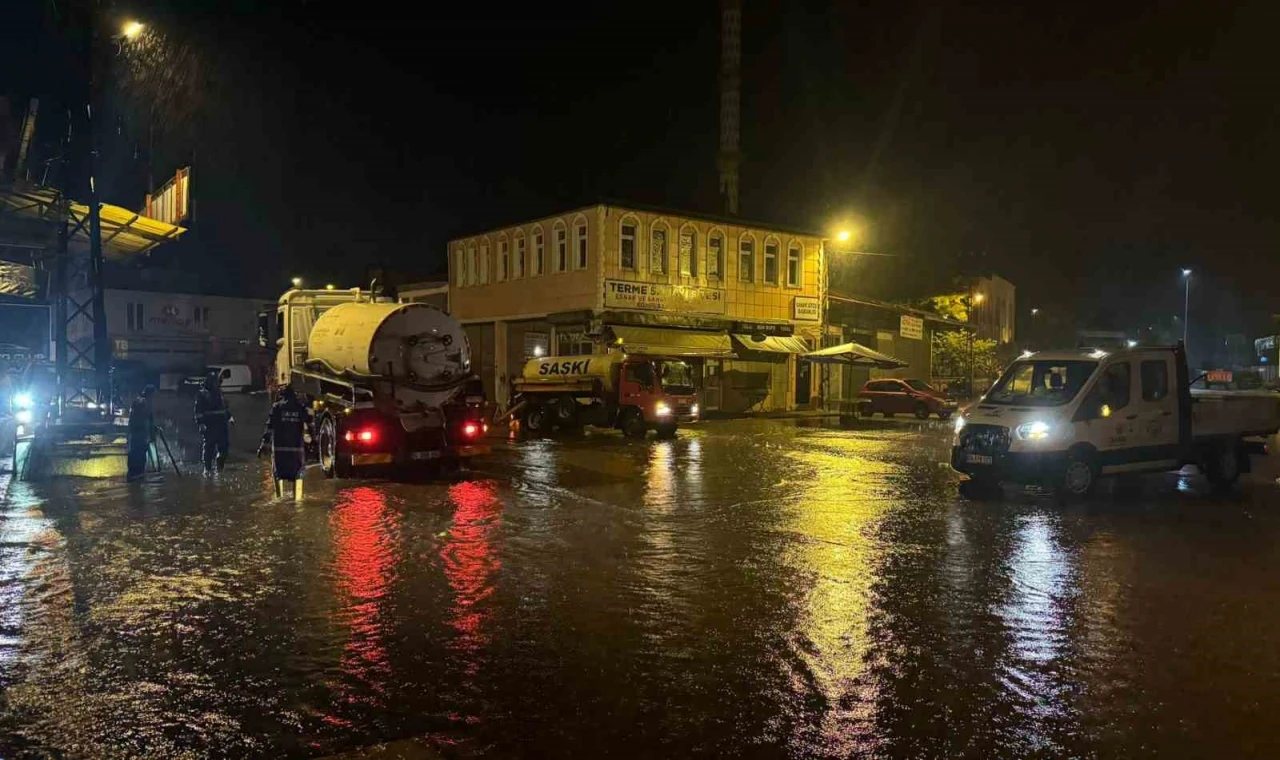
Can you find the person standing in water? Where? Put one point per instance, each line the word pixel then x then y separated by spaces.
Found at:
pixel 215 420
pixel 287 425
pixel 142 423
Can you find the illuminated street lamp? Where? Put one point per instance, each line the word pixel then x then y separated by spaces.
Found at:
pixel 297 282
pixel 330 286
pixel 132 29
pixel 843 236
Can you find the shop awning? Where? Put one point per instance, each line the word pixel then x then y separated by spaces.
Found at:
pixel 658 341
pixel 855 354
pixel 773 344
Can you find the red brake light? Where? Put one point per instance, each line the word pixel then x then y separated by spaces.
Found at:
pixel 348 436
pixel 470 429
pixel 367 435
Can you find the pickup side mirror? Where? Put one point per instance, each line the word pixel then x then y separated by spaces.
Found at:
pixel 1198 378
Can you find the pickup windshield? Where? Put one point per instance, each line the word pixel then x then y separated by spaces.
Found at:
pixel 1040 383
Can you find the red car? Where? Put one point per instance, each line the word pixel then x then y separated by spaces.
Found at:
pixel 890 396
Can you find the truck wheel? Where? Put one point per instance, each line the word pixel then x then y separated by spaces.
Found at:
pixel 566 412
pixel 666 431
pixel 536 420
pixel 1224 464
pixel 328 446
pixel 1079 476
pixel 633 424
pixel 922 412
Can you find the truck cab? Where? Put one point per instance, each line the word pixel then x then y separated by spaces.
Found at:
pixel 634 393
pixel 1067 418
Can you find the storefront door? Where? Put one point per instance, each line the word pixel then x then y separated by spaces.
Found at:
pixel 712 372
pixel 803 370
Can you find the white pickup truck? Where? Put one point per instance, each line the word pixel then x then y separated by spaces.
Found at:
pixel 1066 418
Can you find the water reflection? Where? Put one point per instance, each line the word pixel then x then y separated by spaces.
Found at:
pixel 469 563
pixel 366 538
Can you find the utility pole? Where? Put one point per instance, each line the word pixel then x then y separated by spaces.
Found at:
pixel 730 102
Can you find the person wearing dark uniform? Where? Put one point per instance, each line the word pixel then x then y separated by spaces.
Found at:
pixel 286 425
pixel 141 429
pixel 215 420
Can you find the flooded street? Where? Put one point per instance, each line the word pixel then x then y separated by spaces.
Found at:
pixel 753 588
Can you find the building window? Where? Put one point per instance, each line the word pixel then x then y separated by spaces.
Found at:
pixel 539 255
pixel 771 263
pixel 128 310
pixel 573 344
pixel 658 250
pixel 473 268
pixel 137 319
pixel 460 270
pixel 688 252
pixel 746 260
pixel 536 345
pixel 795 260
pixel 518 270
pixel 580 243
pixel 627 248
pixel 715 255
pixel 562 247
pixel 504 261
pixel 195 316
pixel 484 263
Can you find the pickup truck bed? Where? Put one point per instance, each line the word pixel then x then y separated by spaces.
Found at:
pixel 1237 413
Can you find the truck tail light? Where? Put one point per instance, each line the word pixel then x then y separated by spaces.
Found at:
pixel 470 429
pixel 364 435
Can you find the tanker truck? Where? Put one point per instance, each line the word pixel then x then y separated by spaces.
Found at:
pixel 633 393
pixel 390 384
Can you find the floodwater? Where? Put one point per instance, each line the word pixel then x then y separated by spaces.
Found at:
pixel 753 588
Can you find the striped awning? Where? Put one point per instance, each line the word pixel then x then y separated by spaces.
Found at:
pixel 773 344
pixel 659 341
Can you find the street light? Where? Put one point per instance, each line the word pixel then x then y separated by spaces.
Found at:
pixel 330 286
pixel 297 282
pixel 1186 306
pixel 843 236
pixel 132 29
pixel 1034 312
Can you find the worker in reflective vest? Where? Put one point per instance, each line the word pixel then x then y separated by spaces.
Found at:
pixel 287 425
pixel 215 421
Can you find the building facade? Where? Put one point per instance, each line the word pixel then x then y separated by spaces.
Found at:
pixel 738 300
pixel 994 308
pixel 180 333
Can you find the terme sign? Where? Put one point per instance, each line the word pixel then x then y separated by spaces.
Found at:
pixel 650 296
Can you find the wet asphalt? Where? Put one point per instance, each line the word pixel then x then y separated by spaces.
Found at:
pixel 754 588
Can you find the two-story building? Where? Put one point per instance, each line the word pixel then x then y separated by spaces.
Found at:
pixel 739 300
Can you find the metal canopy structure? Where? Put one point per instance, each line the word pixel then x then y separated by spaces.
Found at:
pixel 854 354
pixel 65 238
pixel 125 233
pixel 774 344
pixel 657 341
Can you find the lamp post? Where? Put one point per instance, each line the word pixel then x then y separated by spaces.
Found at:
pixel 1186 305
pixel 974 299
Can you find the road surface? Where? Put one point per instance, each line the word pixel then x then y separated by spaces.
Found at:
pixel 753 588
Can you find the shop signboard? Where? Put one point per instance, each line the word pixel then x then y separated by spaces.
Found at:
pixel 911 327
pixel 806 309
pixel 763 328
pixel 654 296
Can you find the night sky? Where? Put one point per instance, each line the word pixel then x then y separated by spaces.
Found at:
pixel 1086 151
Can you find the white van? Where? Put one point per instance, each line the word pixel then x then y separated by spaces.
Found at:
pixel 1065 418
pixel 234 378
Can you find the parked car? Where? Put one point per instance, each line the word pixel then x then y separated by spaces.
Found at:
pixel 890 396
pixel 234 378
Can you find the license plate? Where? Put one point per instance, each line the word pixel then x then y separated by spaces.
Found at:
pixel 420 455
pixel 978 458
pixel 363 459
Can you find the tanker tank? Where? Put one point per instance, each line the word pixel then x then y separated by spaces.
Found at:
pixel 412 344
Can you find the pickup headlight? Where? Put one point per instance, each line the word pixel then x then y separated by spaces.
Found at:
pixel 661 409
pixel 23 401
pixel 1037 430
pixel 693 410
pixel 960 423
pixel 25 416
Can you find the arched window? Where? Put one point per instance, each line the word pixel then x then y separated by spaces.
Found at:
pixel 538 265
pixel 504 257
pixel 459 268
pixel 659 244
pixel 795 264
pixel 771 250
pixel 579 242
pixel 484 261
pixel 518 262
pixel 628 241
pixel 560 249
pixel 473 265
pixel 715 254
pixel 688 251
pixel 747 258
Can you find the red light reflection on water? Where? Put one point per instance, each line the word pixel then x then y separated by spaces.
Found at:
pixel 469 562
pixel 365 537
